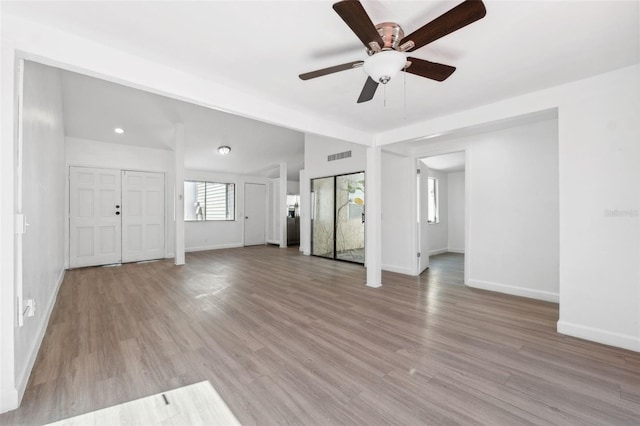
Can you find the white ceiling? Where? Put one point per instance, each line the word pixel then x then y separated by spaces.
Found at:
pixel 261 47
pixel 93 108
pixel 447 163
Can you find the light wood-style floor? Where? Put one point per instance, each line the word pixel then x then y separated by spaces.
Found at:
pixel 289 339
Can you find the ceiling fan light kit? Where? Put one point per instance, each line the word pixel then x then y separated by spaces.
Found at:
pixel 386 44
pixel 384 65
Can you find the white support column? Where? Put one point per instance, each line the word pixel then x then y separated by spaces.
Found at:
pixel 305 214
pixel 283 205
pixel 9 398
pixel 179 195
pixel 373 216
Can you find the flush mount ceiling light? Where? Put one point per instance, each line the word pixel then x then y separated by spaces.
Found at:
pixel 384 65
pixel 119 130
pixel 224 150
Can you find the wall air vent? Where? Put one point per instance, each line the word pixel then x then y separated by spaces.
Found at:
pixel 339 156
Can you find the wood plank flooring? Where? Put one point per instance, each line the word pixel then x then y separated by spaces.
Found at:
pixel 289 339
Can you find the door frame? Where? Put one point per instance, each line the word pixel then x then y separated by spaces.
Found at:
pixel 335 213
pixel 467 205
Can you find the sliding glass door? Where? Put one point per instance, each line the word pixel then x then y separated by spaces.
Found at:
pixel 337 225
pixel 322 220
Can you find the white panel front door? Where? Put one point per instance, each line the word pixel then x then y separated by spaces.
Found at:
pixel 142 216
pixel 94 216
pixel 254 213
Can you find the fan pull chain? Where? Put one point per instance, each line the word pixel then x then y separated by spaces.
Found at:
pixel 384 89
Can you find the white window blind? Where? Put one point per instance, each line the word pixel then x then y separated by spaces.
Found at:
pixel 209 201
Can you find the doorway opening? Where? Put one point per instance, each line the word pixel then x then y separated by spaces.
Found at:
pixel 441 213
pixel 337 217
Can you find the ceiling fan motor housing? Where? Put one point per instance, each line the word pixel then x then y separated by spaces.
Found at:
pixel 391 34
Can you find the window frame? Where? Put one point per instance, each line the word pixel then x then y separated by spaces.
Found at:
pixel 231 213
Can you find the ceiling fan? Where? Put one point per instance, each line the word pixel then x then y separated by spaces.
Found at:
pixel 386 44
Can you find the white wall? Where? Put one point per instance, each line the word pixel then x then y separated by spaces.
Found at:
pixel 599 174
pixel 293 187
pixel 438 233
pixel 456 211
pixel 398 213
pixel 514 210
pixel 316 150
pixel 44 207
pixel 211 235
pixel 90 153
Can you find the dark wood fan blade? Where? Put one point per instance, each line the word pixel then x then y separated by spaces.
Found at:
pixel 368 90
pixel 330 70
pixel 460 16
pixel 353 14
pixel 432 70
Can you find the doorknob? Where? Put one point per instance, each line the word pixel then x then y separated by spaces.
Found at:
pixel 117 213
pixel 246 217
pixel 117 206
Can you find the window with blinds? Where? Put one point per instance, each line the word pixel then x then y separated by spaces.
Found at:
pixel 209 201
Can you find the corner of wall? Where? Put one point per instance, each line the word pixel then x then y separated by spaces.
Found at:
pixel 8 399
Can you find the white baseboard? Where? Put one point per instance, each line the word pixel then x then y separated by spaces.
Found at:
pixel 213 247
pixel 23 376
pixel 437 251
pixel 516 291
pixel 398 269
pixel 454 250
pixel 599 335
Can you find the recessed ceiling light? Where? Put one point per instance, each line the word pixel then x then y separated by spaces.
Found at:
pixel 224 150
pixel 119 130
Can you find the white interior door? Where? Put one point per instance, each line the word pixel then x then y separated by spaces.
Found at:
pixel 423 202
pixel 254 213
pixel 94 217
pixel 142 216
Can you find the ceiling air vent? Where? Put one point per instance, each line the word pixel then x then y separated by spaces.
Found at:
pixel 339 156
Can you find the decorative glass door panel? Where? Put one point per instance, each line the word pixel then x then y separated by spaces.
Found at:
pixel 350 217
pixel 322 218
